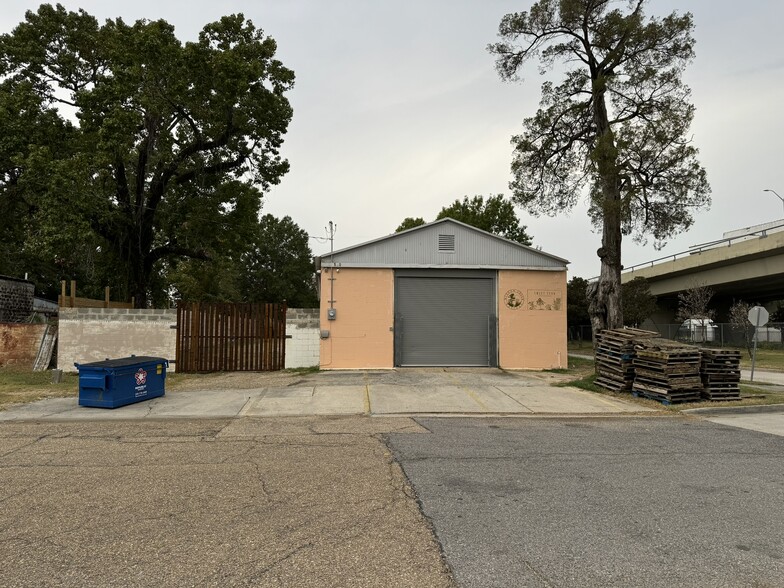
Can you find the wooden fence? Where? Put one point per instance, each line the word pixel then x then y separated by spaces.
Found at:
pixel 74 301
pixel 223 337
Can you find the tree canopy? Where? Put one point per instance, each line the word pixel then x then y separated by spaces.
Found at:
pixel 638 302
pixel 495 215
pixel 693 303
pixel 279 265
pixel 577 302
pixel 617 124
pixel 410 223
pixel 144 149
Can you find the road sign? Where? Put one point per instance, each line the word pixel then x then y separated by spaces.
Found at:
pixel 758 316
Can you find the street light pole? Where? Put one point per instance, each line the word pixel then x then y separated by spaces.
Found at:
pixel 776 193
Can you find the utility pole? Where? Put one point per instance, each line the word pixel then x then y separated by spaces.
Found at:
pixel 331 236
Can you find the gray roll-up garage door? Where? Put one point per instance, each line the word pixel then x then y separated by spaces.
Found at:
pixel 445 321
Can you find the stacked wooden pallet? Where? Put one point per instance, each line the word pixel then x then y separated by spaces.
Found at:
pixel 614 355
pixel 667 371
pixel 720 371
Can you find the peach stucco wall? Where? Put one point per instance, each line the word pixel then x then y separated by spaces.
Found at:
pixel 533 334
pixel 361 335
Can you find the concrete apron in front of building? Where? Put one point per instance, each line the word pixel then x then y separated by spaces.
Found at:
pixel 446 392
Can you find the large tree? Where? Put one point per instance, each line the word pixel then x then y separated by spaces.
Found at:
pixel 279 265
pixel 495 215
pixel 618 123
pixel 165 140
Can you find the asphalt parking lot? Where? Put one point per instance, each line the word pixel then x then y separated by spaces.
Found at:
pixel 206 488
pixel 308 502
pixel 601 501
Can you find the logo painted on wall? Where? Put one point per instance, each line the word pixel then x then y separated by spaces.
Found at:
pixel 544 300
pixel 513 299
pixel 141 377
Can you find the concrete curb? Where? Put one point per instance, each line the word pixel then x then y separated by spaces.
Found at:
pixel 730 410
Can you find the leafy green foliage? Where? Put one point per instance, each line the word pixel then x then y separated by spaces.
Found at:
pixel 169 139
pixel 638 302
pixel 279 265
pixel 495 215
pixel 777 315
pixel 272 264
pixel 617 125
pixel 410 223
pixel 577 302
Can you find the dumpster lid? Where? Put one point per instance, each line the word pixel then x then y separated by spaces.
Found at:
pixel 123 362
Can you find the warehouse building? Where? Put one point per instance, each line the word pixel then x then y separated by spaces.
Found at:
pixel 442 294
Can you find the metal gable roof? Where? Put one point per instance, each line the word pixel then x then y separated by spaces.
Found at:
pixel 442 243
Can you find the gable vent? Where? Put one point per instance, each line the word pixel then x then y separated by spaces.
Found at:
pixel 446 243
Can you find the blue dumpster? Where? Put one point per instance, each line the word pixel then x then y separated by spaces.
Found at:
pixel 117 382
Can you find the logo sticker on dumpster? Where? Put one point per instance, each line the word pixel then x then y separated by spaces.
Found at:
pixel 141 377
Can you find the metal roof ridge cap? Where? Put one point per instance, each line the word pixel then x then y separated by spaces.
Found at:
pixel 444 220
pixel 370 265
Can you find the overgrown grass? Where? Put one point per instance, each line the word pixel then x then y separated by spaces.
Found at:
pixel 584 382
pixel 579 363
pixel 23 385
pixel 767 359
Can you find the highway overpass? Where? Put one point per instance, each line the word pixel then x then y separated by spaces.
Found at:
pixel 744 265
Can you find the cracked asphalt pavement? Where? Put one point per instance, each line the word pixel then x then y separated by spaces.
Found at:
pixel 599 502
pixel 304 502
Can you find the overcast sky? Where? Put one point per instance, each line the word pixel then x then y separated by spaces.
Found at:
pixel 398 111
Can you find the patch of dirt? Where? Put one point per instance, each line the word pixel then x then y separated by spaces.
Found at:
pixel 230 380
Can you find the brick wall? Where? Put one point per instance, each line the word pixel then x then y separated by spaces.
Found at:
pixel 16 299
pixel 302 349
pixel 93 334
pixel 19 343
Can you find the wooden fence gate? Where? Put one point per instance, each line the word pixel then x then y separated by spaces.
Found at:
pixel 224 337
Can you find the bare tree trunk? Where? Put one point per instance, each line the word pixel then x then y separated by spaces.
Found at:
pixel 139 281
pixel 607 303
pixel 604 300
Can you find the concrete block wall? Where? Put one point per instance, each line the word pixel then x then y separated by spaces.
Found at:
pixel 93 334
pixel 16 299
pixel 19 343
pixel 302 349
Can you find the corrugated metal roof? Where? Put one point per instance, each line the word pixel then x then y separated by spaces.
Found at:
pixel 443 243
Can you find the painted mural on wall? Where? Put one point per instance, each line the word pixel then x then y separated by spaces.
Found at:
pixel 514 299
pixel 544 300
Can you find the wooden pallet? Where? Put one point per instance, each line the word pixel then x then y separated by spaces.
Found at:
pixel 721 394
pixel 614 357
pixel 712 354
pixel 667 397
pixel 666 368
pixel 708 379
pixel 667 371
pixel 720 372
pixel 612 384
